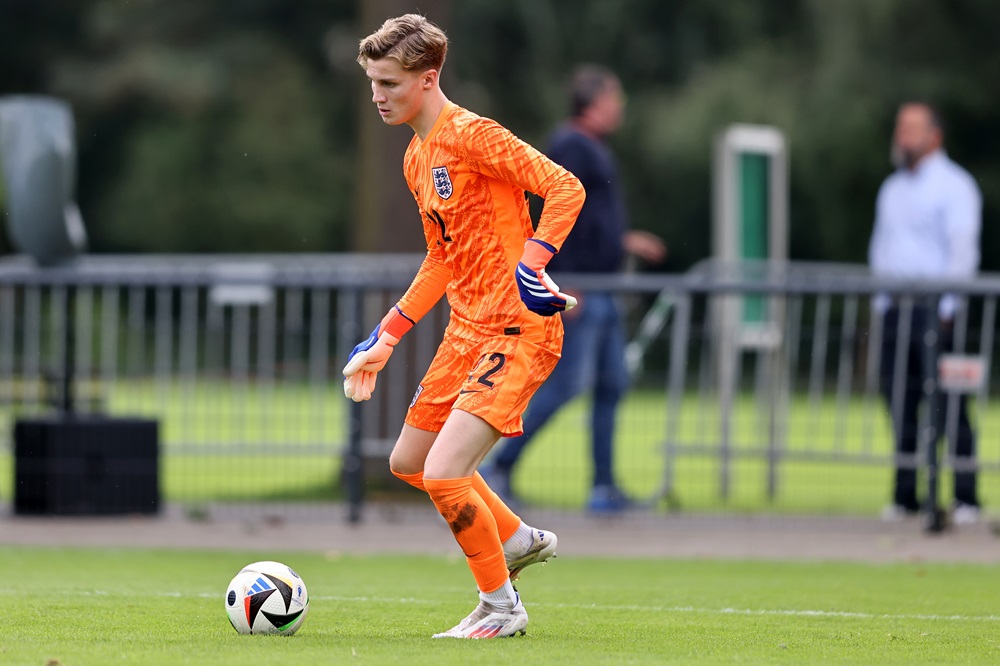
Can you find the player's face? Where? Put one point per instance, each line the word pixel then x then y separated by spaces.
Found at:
pixel 915 135
pixel 398 94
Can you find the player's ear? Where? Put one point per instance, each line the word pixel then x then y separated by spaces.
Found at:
pixel 429 79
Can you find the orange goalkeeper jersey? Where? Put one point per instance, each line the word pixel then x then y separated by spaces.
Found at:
pixel 469 178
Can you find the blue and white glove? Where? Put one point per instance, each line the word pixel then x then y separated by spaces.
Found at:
pixel 365 345
pixel 538 292
pixel 368 358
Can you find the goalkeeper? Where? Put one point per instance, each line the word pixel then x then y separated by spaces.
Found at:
pixel 469 176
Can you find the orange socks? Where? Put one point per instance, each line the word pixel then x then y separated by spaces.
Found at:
pixel 507 520
pixel 474 527
pixel 415 480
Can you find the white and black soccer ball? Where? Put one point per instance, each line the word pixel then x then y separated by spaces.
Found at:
pixel 267 598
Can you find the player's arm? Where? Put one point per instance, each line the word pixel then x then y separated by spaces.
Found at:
pixel 876 244
pixel 427 288
pixel 496 152
pixel 963 222
pixel 573 156
pixel 369 357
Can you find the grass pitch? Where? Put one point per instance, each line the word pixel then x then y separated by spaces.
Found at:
pixel 73 606
pixel 284 444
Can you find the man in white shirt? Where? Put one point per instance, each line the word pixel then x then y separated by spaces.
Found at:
pixel 927 224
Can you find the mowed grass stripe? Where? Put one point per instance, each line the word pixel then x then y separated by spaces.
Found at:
pixel 604 607
pixel 101 606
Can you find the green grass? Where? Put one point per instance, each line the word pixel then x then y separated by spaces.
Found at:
pixel 100 607
pixel 555 471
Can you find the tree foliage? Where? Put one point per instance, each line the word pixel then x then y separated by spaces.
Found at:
pixel 231 125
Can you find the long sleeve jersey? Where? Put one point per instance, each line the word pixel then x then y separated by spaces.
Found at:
pixel 469 178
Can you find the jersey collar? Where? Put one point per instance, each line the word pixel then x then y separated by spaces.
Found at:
pixel 445 112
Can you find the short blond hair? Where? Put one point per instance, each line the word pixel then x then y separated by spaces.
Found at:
pixel 411 39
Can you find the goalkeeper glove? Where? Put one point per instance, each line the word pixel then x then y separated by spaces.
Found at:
pixel 370 356
pixel 538 292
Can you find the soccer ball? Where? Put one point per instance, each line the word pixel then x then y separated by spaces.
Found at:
pixel 267 598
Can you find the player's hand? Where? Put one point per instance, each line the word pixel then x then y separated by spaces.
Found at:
pixel 365 345
pixel 648 247
pixel 575 310
pixel 369 357
pixel 538 292
pixel 360 385
pixel 367 360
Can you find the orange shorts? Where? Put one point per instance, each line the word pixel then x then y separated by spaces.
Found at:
pixel 492 377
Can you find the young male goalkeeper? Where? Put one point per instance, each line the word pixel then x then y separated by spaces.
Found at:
pixel 469 176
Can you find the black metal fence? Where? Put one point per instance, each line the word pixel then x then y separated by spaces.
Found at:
pixel 756 388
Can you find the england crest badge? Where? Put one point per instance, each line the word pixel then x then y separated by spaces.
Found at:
pixel 442 182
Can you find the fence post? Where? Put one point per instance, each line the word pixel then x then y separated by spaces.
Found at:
pixel 932 421
pixel 67 401
pixel 729 374
pixel 678 368
pixel 353 467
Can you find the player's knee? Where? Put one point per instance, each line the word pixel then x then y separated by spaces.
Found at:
pixel 404 462
pixel 410 451
pixel 434 470
pixel 447 467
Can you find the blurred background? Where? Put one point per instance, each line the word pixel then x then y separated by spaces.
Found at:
pixel 243 127
pixel 239 126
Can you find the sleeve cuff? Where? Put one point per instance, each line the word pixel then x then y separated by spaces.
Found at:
pixel 537 254
pixel 396 323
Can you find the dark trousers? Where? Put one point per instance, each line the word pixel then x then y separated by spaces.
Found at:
pixel 593 357
pixel 906 421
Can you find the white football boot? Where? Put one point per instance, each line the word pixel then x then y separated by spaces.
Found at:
pixel 543 546
pixel 489 621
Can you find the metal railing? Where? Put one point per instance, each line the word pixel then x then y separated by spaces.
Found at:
pixel 239 359
pixel 796 399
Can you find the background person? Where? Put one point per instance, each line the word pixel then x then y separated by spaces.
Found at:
pixel 594 345
pixel 927 225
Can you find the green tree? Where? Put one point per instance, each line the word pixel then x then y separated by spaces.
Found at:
pixel 245 125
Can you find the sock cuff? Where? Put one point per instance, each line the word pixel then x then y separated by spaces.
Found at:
pixel 448 488
pixel 521 540
pixel 415 480
pixel 503 595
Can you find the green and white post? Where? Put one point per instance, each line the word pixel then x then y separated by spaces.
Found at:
pixel 750 237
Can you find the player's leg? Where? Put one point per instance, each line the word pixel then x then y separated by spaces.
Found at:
pixel 904 419
pixel 523 545
pixel 448 470
pixel 966 509
pixel 490 403
pixel 428 412
pixel 507 520
pixel 430 408
pixel 966 505
pixel 572 375
pixel 406 460
pixel 514 368
pixel 610 384
pixel 963 446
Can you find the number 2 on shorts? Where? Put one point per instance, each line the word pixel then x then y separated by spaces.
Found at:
pixel 500 360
